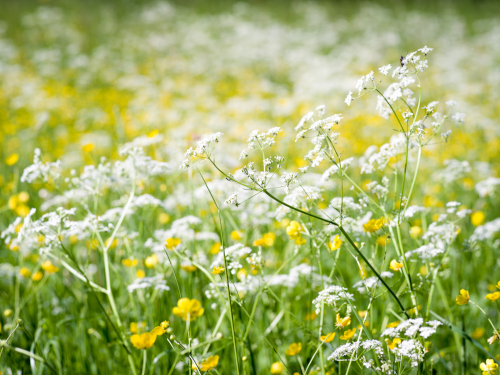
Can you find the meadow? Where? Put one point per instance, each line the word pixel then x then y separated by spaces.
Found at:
pixel 249 187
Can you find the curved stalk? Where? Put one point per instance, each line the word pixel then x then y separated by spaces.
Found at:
pixel 349 240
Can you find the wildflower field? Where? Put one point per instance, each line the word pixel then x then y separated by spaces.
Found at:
pixel 249 187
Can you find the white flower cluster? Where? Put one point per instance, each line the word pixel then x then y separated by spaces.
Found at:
pixel 157 282
pixel 330 296
pixel 183 228
pixel 45 233
pixel 39 170
pixel 487 231
pixel 348 204
pixel 138 166
pixel 334 169
pixel 439 237
pixel 349 352
pixel 454 170
pixel 488 187
pixel 204 149
pixel 141 142
pixel 251 284
pixel 299 197
pixel 295 275
pixel 378 160
pixel 260 141
pixel 323 132
pixel 380 190
pixel 412 327
pixel 412 350
pixel 365 285
pixel 234 254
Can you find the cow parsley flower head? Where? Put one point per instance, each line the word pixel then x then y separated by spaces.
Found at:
pixel 459 118
pixel 348 98
pixel 39 170
pixel 330 296
pixel 385 69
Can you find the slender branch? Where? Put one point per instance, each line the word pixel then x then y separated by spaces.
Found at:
pixel 349 240
pixel 226 273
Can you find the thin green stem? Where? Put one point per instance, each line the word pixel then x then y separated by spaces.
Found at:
pixel 226 273
pixel 29 354
pixel 144 361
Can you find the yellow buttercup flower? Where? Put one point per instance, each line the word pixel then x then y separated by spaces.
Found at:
pixel 11 159
pixel 300 241
pixel 163 218
pixel 294 349
pixel 423 270
pixel 12 247
pixel 88 147
pixel 294 230
pixel 335 244
pixel 266 240
pixel 395 265
pixel 151 261
pixel 111 245
pixel 22 210
pixel 207 364
pixel 23 197
pixel 25 272
pixel 134 327
pixel 153 133
pixel 140 274
pixel 382 241
pixel 236 235
pixel 478 333
pixel 393 324
pixel 218 270
pixel 147 339
pixel 130 262
pixel 172 243
pixel 259 242
pixel 463 298
pixel 188 309
pixel 349 334
pixel 493 296
pixel 37 276
pixel 144 340
pixel 489 368
pixel 7 312
pixel 392 344
pixel 415 232
pixel 269 239
pixel 477 218
pixel 374 225
pixel 241 274
pixel 215 248
pixel 189 267
pixel 328 337
pixel 277 368
pixel 48 267
pixel 342 322
pixel 13 202
pixel 159 330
